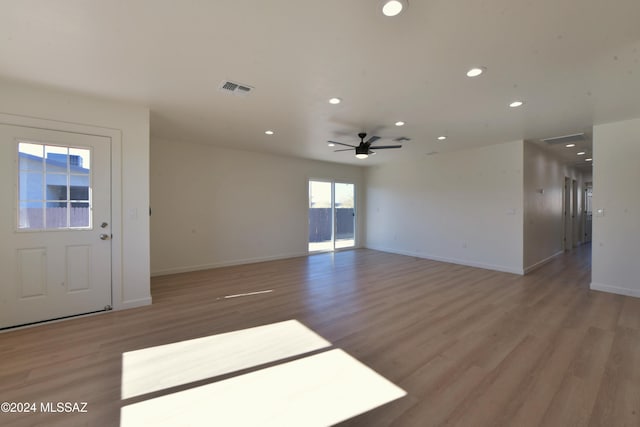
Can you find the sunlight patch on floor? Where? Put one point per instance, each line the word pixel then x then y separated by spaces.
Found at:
pixel 318 390
pixel 158 368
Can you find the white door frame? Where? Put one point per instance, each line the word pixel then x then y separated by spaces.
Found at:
pixel 333 213
pixel 575 213
pixel 116 185
pixel 567 223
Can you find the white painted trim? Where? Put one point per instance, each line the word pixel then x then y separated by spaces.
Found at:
pixel 539 264
pixel 615 290
pixel 190 268
pixel 357 196
pixel 117 290
pixel 141 302
pixel 467 263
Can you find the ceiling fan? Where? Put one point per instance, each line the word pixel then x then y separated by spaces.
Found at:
pixel 364 149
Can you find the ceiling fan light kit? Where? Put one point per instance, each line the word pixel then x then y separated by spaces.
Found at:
pixel 364 148
pixel 362 152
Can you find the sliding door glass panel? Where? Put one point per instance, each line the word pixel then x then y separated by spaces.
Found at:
pixel 320 216
pixel 345 215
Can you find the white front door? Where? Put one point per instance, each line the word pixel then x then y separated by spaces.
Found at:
pixel 55 224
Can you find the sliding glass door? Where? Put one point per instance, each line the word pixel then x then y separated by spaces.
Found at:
pixel 345 215
pixel 320 217
pixel 332 217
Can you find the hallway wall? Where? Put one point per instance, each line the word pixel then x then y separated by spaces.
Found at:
pixel 544 177
pixel 616 230
pixel 463 207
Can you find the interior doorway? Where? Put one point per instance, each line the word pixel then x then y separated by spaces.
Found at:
pixel 575 224
pixel 587 212
pixel 566 215
pixel 332 216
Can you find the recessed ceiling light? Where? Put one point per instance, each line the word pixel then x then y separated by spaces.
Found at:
pixel 588 160
pixel 475 72
pixel 570 145
pixel 442 138
pixel 268 132
pixel 335 101
pixel 331 144
pixel 393 7
pixel 582 153
pixel 515 104
pixel 400 123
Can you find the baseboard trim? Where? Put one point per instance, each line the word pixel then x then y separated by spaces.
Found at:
pixel 133 303
pixel 615 290
pixel 188 269
pixel 539 264
pixel 467 263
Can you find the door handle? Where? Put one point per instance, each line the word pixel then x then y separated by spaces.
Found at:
pixel 104 237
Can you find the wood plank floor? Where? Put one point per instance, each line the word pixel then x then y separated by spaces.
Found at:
pixel 471 347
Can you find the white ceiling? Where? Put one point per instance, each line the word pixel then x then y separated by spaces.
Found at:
pixel 574 63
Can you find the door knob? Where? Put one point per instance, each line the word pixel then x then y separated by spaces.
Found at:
pixel 104 237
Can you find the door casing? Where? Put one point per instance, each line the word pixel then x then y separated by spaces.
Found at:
pixel 117 288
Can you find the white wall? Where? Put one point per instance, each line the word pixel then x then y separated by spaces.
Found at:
pixel 616 235
pixel 128 126
pixel 543 206
pixel 215 206
pixel 463 207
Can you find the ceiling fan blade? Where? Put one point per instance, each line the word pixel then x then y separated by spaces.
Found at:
pixel 372 140
pixel 344 149
pixel 382 147
pixel 340 143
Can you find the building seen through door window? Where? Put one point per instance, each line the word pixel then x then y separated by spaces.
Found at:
pixel 54 187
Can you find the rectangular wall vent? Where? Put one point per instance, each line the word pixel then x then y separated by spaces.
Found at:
pixel 235 88
pixel 577 137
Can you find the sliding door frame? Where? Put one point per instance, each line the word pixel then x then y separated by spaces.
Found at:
pixel 334 222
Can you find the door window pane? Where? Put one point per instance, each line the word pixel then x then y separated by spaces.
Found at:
pixel 56 158
pixel 30 156
pixel 79 160
pixel 54 187
pixel 56 214
pixel 79 189
pixel 79 215
pixel 31 215
pixel 30 186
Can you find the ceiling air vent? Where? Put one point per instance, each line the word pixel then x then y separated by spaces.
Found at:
pixel 235 88
pixel 566 139
pixel 401 139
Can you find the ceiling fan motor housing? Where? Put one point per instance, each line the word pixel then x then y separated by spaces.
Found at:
pixel 362 150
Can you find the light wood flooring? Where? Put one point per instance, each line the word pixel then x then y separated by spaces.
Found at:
pixel 471 347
